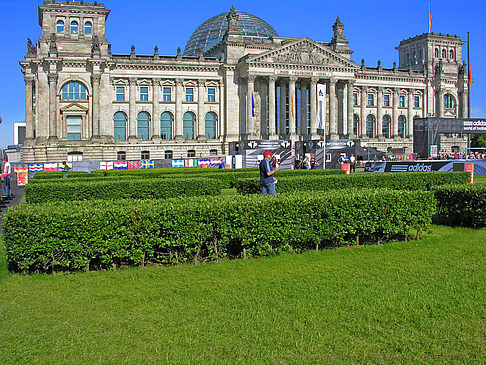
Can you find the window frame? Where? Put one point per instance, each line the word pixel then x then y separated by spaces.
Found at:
pixel 211 94
pixel 402 126
pixel 143 93
pixel 371 99
pixel 143 131
pixel 164 128
pixel 88 25
pixel 58 24
pixel 210 131
pixel 355 99
pixel 74 91
pixel 188 131
pixel 120 96
pixel 370 119
pixel 145 155
pixel 166 96
pixel 117 129
pixel 386 120
pixel 386 100
pixel 168 155
pixel 121 155
pixel 190 94
pixel 70 133
pixel 401 101
pixel 416 101
pixel 74 27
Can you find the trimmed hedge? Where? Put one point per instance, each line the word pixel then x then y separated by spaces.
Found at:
pixel 72 236
pixel 121 189
pixel 49 175
pixel 391 180
pixel 461 205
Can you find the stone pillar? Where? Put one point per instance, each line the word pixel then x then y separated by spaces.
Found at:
pixel 464 104
pixel 292 106
pixel 178 108
pixel 364 96
pixel 394 131
pixel 156 110
pixel 409 132
pixel 332 110
pixel 250 120
pixel 303 109
pixel 313 107
pixel 132 109
pixel 201 135
pixel 95 132
pixel 271 107
pixel 344 115
pixel 350 109
pixel 52 107
pixel 29 116
pixel 379 122
pixel 221 120
pixel 441 104
pixel 283 100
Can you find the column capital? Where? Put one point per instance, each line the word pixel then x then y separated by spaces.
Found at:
pixel 380 89
pixel 52 77
pixel 272 78
pixel 132 81
pixel 364 88
pixel 396 90
pixel 351 82
pixel 315 80
pixel 96 78
pixel 201 82
pixel 293 79
pixel 28 79
pixel 333 81
pixel 179 81
pixel 156 81
pixel 250 78
pixel 411 90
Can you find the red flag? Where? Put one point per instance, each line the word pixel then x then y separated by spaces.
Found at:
pixel 469 75
pixel 430 19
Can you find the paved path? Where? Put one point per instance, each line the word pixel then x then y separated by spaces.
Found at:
pixel 18 192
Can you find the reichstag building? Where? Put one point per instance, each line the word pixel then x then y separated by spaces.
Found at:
pixel 236 80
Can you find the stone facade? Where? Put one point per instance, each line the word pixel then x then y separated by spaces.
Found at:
pixel 83 102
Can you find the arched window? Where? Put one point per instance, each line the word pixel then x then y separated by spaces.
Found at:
pixel 451 54
pixel 73 91
pixel 143 122
pixel 188 125
pixel 210 126
pixel 444 53
pixel 402 121
pixel 355 125
pixel 436 53
pixel 120 126
pixel 370 126
pixel 448 101
pixel 88 27
pixel 166 119
pixel 385 130
pixel 60 26
pixel 74 27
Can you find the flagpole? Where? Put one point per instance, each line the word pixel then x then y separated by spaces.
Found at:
pixel 468 80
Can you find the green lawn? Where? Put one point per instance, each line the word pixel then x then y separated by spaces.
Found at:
pixel 409 302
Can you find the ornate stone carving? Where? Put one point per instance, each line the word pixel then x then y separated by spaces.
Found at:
pixel 52 77
pixel 96 78
pixel 132 81
pixel 95 47
pixel 52 45
pixel 303 53
pixel 31 50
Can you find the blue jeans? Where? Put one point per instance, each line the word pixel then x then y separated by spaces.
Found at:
pixel 8 191
pixel 268 189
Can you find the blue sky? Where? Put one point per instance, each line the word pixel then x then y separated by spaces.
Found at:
pixel 373 29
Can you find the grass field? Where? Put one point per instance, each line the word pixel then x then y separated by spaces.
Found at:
pixel 408 302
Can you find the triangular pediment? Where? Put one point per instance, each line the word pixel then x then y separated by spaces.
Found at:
pixel 303 52
pixel 74 108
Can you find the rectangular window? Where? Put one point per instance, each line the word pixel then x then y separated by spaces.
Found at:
pixel 145 155
pixel 371 99
pixel 417 101
pixel 73 128
pixel 166 94
pixel 120 93
pixel 402 101
pixel 189 94
pixel 191 153
pixel 168 155
pixel 143 93
pixel 121 156
pixel 355 99
pixel 386 100
pixel 211 94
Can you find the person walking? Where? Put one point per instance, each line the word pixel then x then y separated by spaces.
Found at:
pixel 352 162
pixel 7 169
pixel 267 180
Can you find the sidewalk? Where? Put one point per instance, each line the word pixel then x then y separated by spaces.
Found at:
pixel 18 192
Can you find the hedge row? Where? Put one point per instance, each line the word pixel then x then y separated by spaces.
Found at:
pixel 49 175
pixel 65 190
pixel 461 205
pixel 71 236
pixel 391 180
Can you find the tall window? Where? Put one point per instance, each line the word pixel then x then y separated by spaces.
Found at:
pixel 386 126
pixel 166 94
pixel 451 54
pixel 60 26
pixel 448 101
pixel 120 93
pixel 120 126
pixel 73 91
pixel 402 101
pixel 143 93
pixel 189 94
pixel 436 53
pixel 166 125
pixel 188 125
pixel 444 53
pixel 401 126
pixel 371 99
pixel 74 27
pixel 211 94
pixel 370 126
pixel 355 125
pixel 143 122
pixel 191 153
pixel 417 102
pixel 87 28
pixel 73 128
pixel 210 125
pixel 386 100
pixel 355 98
pixel 121 156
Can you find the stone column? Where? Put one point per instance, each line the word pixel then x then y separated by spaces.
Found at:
pixel 303 109
pixel 379 122
pixel 364 96
pixel 313 107
pixel 292 106
pixel 178 114
pixel 332 109
pixel 29 116
pixel 344 115
pixel 132 109
pixel 221 119
pixel 441 104
pixel 464 104
pixel 283 99
pixel 95 132
pixel 52 107
pixel 350 109
pixel 394 131
pixel 201 135
pixel 156 110
pixel 271 107
pixel 410 114
pixel 250 120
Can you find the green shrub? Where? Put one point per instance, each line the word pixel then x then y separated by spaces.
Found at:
pixel 461 205
pixel 104 234
pixel 49 175
pixel 69 190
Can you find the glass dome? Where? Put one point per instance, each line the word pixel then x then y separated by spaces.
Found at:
pixel 212 31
